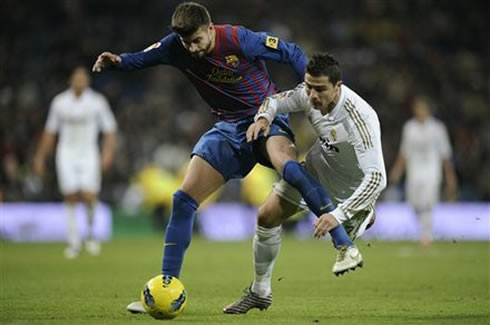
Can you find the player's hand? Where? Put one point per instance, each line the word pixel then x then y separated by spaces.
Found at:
pixel 38 167
pixel 324 224
pixel 262 124
pixel 105 60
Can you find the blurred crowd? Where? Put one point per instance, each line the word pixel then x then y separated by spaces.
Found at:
pixel 390 51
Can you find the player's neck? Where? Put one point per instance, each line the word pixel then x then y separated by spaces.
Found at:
pixel 78 92
pixel 333 103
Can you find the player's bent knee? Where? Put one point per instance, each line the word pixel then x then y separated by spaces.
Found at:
pixel 268 217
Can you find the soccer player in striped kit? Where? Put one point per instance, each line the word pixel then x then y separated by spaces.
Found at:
pixel 346 159
pixel 226 65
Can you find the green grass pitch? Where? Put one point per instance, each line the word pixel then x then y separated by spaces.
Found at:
pixel 399 284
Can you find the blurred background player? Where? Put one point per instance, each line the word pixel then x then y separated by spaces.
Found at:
pixel 425 151
pixel 77 115
pixel 347 159
pixel 226 65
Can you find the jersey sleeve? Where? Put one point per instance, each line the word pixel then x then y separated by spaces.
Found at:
pixel 157 53
pixel 264 46
pixel 107 122
pixel 293 100
pixel 53 121
pixel 367 146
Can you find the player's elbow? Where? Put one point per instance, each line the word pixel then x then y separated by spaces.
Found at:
pixel 377 179
pixel 383 182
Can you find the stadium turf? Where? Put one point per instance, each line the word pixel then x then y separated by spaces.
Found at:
pixel 399 284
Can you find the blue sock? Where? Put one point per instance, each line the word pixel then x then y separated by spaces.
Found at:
pixel 179 232
pixel 315 197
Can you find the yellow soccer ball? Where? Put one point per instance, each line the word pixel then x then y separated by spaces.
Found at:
pixel 164 297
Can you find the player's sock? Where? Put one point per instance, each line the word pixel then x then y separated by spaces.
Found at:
pixel 178 233
pixel 73 237
pixel 340 237
pixel 90 209
pixel 315 197
pixel 266 246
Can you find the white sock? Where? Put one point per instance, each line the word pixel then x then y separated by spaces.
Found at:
pixel 90 208
pixel 73 237
pixel 266 246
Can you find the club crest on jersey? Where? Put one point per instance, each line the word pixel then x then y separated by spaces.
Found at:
pixel 333 133
pixel 232 60
pixel 152 46
pixel 272 42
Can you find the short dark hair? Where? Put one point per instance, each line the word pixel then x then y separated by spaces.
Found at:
pixel 324 64
pixel 188 17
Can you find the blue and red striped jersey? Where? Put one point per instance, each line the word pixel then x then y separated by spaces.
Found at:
pixel 233 77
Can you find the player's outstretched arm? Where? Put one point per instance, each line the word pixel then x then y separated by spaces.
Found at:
pixel 106 59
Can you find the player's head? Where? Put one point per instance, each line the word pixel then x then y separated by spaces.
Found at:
pixel 193 24
pixel 421 108
pixel 323 79
pixel 80 79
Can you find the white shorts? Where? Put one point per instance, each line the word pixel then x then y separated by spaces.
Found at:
pixel 422 195
pixel 80 174
pixel 354 226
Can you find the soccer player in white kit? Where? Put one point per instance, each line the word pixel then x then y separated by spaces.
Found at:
pixel 77 115
pixel 425 151
pixel 347 160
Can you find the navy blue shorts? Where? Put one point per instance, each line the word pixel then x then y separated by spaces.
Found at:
pixel 225 146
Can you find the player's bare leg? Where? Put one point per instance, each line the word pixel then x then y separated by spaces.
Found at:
pixel 73 236
pixel 92 245
pixel 201 180
pixel 266 246
pixel 278 150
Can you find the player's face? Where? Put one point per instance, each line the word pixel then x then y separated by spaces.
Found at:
pixel 79 79
pixel 201 42
pixel 322 94
pixel 421 110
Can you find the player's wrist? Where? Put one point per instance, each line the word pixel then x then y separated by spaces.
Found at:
pixel 264 116
pixel 339 215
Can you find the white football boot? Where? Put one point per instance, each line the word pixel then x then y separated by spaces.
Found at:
pixel 348 258
pixel 71 252
pixel 136 307
pixel 93 247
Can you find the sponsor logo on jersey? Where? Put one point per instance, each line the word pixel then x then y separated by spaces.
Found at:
pixel 272 42
pixel 232 60
pixel 224 76
pixel 152 46
pixel 326 144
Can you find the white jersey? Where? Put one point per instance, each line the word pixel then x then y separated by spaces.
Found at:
pixel 78 121
pixel 348 153
pixel 425 145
